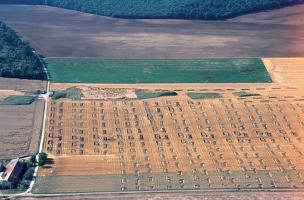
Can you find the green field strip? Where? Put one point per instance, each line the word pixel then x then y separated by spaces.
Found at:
pixel 118 71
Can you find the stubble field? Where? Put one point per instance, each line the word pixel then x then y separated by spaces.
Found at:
pixel 171 143
pixel 113 142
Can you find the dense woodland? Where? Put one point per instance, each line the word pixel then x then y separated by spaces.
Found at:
pixel 187 9
pixel 17 59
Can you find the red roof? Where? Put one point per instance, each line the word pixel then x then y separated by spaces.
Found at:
pixel 13 170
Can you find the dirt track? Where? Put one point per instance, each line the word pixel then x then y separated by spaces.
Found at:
pixel 63 33
pixel 185 195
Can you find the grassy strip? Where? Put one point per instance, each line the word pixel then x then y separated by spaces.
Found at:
pixel 71 93
pixel 193 95
pixel 19 100
pixel 144 94
pixel 245 94
pixel 59 95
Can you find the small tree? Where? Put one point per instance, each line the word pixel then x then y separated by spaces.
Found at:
pixel 42 157
pixel 33 158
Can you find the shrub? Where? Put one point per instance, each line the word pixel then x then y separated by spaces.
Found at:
pixel 33 158
pixel 59 95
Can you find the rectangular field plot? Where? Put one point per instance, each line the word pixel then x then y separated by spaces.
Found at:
pixel 20 129
pixel 209 70
pixel 173 143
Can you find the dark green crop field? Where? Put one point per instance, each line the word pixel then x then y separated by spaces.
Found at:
pixel 207 70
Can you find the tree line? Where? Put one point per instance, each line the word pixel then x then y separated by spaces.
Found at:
pixel 185 9
pixel 17 59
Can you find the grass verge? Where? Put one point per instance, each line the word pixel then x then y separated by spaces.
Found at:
pixel 144 94
pixel 194 95
pixel 71 93
pixel 245 94
pixel 19 100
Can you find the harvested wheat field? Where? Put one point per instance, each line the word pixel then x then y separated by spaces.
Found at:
pixel 223 136
pixel 286 71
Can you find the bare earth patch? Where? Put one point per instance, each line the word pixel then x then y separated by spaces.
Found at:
pixel 91 92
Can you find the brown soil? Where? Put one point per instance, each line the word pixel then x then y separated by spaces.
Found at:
pixel 91 92
pixel 57 32
pixel 20 129
pixel 21 84
pixel 20 125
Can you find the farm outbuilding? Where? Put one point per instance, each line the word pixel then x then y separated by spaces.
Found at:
pixel 10 177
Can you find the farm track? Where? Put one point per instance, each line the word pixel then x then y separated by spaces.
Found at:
pixel 206 195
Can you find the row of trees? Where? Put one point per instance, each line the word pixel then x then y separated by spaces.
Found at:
pixel 40 159
pixel 17 59
pixel 188 9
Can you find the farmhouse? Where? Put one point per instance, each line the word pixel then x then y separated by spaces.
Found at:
pixel 10 176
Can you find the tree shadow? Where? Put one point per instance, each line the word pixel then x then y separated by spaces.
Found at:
pixel 49 161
